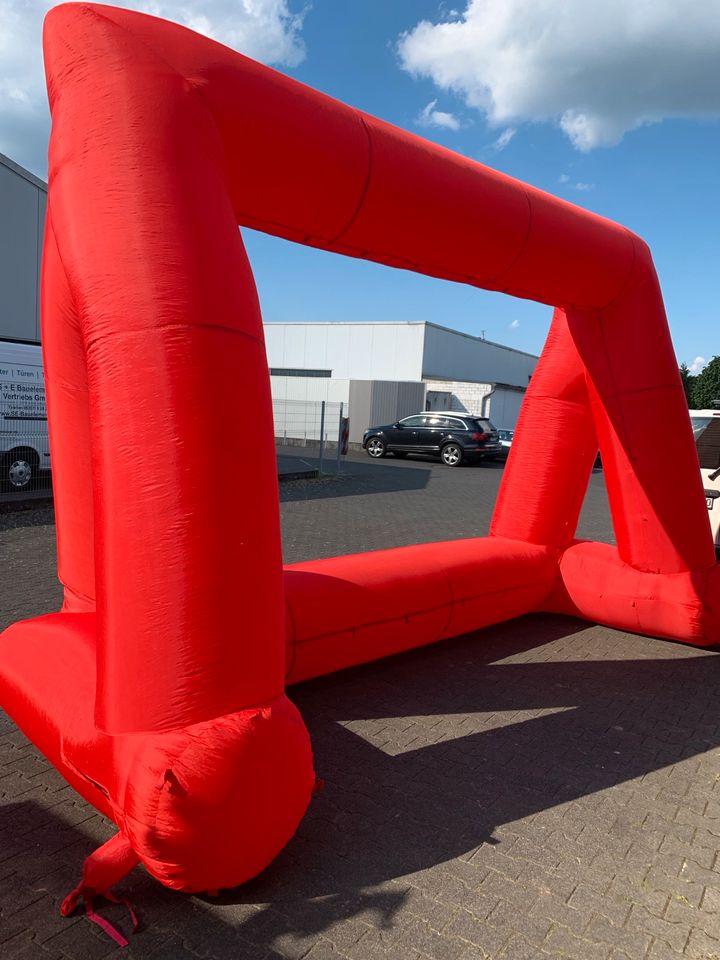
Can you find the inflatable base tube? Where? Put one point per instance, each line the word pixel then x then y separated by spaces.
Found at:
pixel 204 807
pixel 349 610
pixel 597 586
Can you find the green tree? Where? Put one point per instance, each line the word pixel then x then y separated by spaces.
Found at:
pixel 706 386
pixel 688 382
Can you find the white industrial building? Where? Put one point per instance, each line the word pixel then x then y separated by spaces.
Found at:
pixel 381 372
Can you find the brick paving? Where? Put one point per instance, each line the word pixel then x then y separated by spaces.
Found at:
pixel 543 788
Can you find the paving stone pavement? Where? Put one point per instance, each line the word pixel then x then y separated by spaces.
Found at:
pixel 542 788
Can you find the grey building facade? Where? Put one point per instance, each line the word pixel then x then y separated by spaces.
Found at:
pixel 23 202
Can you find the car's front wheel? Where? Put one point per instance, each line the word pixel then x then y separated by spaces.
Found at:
pixel 451 455
pixel 376 447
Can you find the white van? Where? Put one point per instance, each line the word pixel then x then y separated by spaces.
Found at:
pixel 24 447
pixel 706 429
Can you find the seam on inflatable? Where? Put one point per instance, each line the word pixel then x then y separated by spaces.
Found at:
pixel 516 259
pixel 417 267
pixel 626 283
pixel 392 260
pixel 514 588
pixel 172 326
pixel 50 231
pixel 563 400
pixel 198 91
pixel 660 386
pixel 77 593
pixel 366 185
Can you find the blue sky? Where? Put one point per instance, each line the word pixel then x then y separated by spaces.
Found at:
pixel 611 105
pixel 660 181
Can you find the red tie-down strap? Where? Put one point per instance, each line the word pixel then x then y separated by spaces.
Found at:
pixel 108 865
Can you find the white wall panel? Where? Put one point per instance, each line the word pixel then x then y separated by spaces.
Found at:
pixel 353 351
pixel 505 408
pixel 310 388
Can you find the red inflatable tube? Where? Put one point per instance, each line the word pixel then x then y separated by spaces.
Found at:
pixel 597 585
pixel 158 691
pixel 348 610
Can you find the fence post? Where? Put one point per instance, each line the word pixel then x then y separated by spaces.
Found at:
pixel 322 433
pixel 339 438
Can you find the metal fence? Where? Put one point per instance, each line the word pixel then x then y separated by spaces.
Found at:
pixel 315 428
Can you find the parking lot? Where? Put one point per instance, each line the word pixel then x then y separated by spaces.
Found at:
pixel 542 788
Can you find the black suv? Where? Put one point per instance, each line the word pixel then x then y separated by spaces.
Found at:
pixel 454 437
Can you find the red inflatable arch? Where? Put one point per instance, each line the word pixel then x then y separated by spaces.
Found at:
pixel 158 690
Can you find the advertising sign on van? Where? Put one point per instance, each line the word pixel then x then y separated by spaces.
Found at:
pixel 22 392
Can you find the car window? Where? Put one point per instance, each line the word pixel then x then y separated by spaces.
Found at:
pixel 483 424
pixel 413 421
pixel 444 423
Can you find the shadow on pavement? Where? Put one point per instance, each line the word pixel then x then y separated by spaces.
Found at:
pixel 358 478
pixel 425 755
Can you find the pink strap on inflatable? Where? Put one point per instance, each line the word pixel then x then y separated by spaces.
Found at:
pixel 104 924
pixel 101 870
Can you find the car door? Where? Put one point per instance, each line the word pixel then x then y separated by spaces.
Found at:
pixel 404 434
pixel 431 433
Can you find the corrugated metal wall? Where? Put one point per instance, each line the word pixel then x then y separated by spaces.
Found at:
pixel 23 200
pixel 451 355
pixel 376 402
pixel 504 408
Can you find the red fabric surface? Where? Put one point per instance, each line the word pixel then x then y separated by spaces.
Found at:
pixel 348 610
pixel 204 806
pixel 553 450
pixel 158 692
pixel 597 585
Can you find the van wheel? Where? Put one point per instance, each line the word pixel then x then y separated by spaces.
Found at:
pixel 19 468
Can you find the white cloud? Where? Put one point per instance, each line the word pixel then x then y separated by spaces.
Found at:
pixel 264 29
pixel 578 185
pixel 430 117
pixel 515 324
pixel 504 139
pixel 596 69
pixel 697 365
